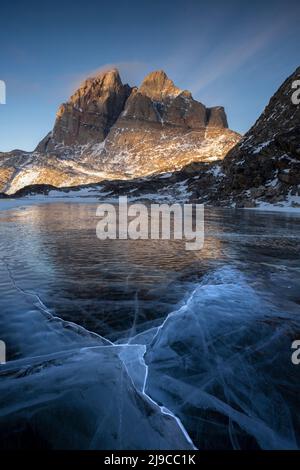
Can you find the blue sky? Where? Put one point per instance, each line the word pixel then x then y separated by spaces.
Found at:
pixel 230 53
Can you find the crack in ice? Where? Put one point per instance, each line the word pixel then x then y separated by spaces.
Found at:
pixel 122 346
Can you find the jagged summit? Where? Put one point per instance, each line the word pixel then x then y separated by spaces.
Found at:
pixel 108 76
pixel 157 86
pixel 159 100
pixel 89 113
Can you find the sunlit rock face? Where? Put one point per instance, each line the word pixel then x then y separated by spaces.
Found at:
pixel 159 100
pixel 108 130
pixel 89 114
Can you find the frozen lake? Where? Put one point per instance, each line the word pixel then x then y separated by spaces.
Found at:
pixel 142 344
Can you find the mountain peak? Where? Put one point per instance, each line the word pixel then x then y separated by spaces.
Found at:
pixel 157 86
pixel 108 77
pixel 88 116
pixel 103 81
pixel 90 112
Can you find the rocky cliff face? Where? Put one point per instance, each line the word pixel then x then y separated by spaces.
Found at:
pixel 108 130
pixel 265 165
pixel 89 114
pixel 162 128
pixel 159 100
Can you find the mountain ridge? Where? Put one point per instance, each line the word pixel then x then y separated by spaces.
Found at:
pixel 108 130
pixel 261 171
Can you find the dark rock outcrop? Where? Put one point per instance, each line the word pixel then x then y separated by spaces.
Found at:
pixel 216 117
pixel 265 164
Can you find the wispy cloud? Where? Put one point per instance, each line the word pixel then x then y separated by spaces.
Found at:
pixel 239 47
pixel 231 59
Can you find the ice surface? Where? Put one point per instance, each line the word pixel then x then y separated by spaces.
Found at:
pixel 65 387
pixel 215 362
pixel 290 204
pixel 81 399
pixel 216 372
